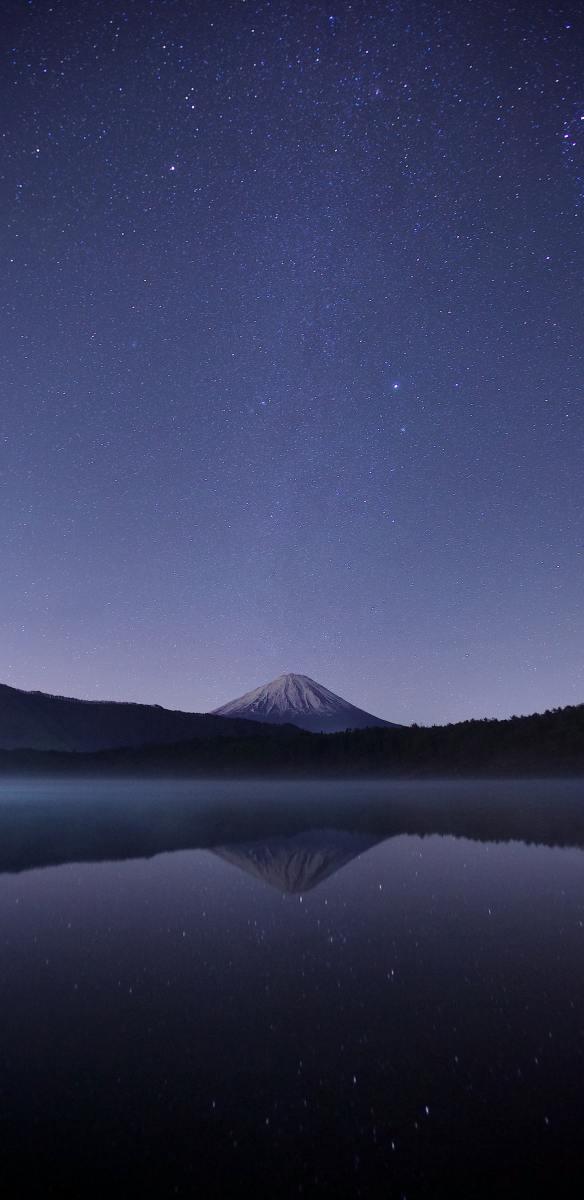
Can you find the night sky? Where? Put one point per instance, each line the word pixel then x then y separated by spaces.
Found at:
pixel 291 351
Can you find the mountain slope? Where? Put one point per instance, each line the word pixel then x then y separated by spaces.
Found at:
pixel 39 721
pixel 299 700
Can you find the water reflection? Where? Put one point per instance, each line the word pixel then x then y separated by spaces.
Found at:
pixel 51 823
pixel 298 863
pixel 310 995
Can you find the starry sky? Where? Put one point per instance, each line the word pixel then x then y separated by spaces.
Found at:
pixel 291 351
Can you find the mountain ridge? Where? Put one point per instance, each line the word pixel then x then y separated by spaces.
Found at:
pixel 35 720
pixel 548 744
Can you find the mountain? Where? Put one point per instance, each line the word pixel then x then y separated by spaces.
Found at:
pixel 39 721
pixel 298 700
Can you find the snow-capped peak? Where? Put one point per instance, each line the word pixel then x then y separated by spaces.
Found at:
pixel 300 700
pixel 286 694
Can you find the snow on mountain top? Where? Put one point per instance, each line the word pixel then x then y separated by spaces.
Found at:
pixel 288 693
pixel 300 700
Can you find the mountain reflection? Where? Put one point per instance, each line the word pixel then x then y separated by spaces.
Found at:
pixel 298 863
pixel 293 835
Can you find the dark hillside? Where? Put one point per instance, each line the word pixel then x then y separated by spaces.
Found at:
pixel 550 743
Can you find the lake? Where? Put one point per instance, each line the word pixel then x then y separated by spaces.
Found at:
pixel 285 990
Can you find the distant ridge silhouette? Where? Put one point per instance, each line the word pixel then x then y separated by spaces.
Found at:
pixel 40 721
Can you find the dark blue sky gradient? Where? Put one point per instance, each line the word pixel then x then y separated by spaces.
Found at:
pixel 291 351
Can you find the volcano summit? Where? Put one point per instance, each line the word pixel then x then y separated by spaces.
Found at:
pixel 299 700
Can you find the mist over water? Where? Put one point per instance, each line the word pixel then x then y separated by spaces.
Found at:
pixel 324 989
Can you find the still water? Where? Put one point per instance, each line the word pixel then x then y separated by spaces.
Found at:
pixel 291 990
